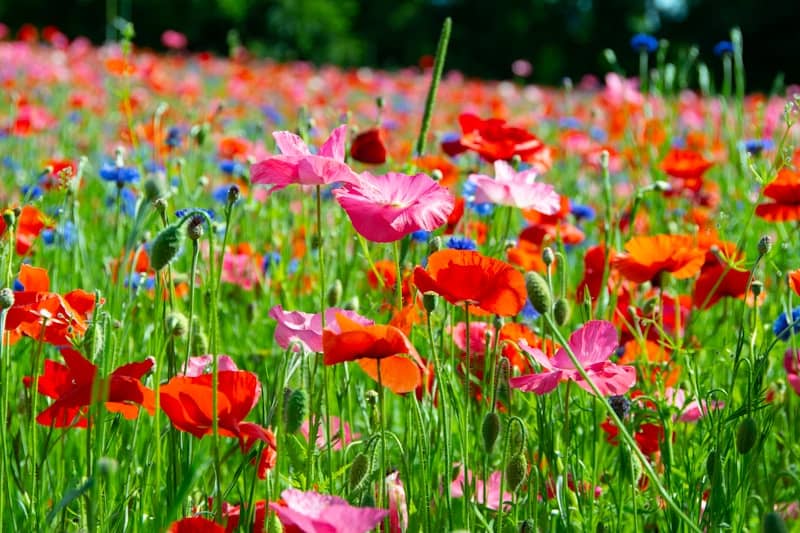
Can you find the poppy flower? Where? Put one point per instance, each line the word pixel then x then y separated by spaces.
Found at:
pixel 592 344
pixel 389 207
pixel 794 281
pixel 791 363
pixel 401 366
pixel 368 147
pixel 648 436
pixel 492 139
pixel 297 165
pixel 187 401
pixel 516 189
pixel 785 191
pixel 35 308
pixel 488 285
pixel 71 385
pixel 717 281
pixel 490 487
pixel 311 512
pixel 232 514
pixel 299 329
pixel 648 257
pixel 29 224
pixel 195 524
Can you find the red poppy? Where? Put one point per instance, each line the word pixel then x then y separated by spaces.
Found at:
pixel 685 164
pixel 195 524
pixel 594 264
pixel 62 317
pixel 401 365
pixel 648 436
pixel 232 514
pixel 492 139
pixel 794 281
pixel 488 285
pixel 368 147
pixel 187 401
pixel 718 280
pixel 72 386
pixel 785 190
pixel 648 257
pixel 29 224
pixel 455 215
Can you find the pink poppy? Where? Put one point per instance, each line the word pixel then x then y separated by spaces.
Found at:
pixel 592 345
pixel 311 512
pixel 517 189
pixel 304 330
pixel 241 270
pixel 389 207
pixel 201 364
pixel 297 165
pixel 398 506
pixel 477 338
pixel 791 363
pixel 692 411
pixel 173 39
pixel 338 429
pixel 492 500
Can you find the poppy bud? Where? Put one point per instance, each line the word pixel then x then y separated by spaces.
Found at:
pixel 6 298
pixel 713 464
pixel 351 304
pixel 429 301
pixel 10 217
pixel 295 410
pixel 773 523
pixel 437 174
pixel 153 190
pixel 538 292
pixel 335 293
pixel 764 245
pixel 746 435
pixel 176 324
pixel 199 342
pixel 527 526
pixel 490 430
pixel 93 339
pixel 274 524
pixel 368 147
pixel 548 256
pixel 359 469
pixel 296 451
pixel 107 465
pixel 165 247
pixel 516 159
pixel 233 194
pixel 561 311
pixel 757 287
pixel 516 471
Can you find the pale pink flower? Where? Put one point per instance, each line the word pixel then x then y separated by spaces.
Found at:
pixel 398 506
pixel 692 411
pixel 173 39
pixel 516 189
pixel 592 345
pixel 304 330
pixel 241 270
pixel 297 165
pixel 621 91
pixel 202 364
pixel 311 512
pixel 341 434
pixel 492 500
pixel 389 207
pixel 522 68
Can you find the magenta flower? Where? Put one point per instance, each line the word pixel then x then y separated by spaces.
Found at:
pixel 297 165
pixel 692 411
pixel 517 189
pixel 389 207
pixel 304 330
pixel 311 512
pixel 492 500
pixel 791 362
pixel 339 429
pixel 479 331
pixel 592 345
pixel 202 364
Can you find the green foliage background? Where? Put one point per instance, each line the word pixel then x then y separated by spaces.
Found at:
pixel 561 38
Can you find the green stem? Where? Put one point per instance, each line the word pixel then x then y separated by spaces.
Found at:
pixel 466 424
pixel 438 66
pixel 445 423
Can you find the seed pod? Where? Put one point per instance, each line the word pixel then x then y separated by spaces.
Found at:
pixel 295 410
pixel 561 311
pixel 746 435
pixel 335 293
pixel 538 292
pixel 773 523
pixel 165 247
pixel 516 471
pixel 429 301
pixel 490 430
pixel 359 469
pixel 6 298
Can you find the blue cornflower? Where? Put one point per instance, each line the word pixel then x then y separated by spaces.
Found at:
pixel 756 146
pixel 220 194
pixel 644 42
pixel 783 327
pixel 294 264
pixel 528 312
pixel 66 235
pixel 420 235
pixel 174 137
pixel 723 47
pixel 180 213
pixel 598 134
pixel 468 190
pixel 32 192
pixel 460 243
pixel 569 123
pixel 232 168
pixel 581 212
pixel 18 286
pixel 75 117
pixel 270 258
pixel 139 280
pixel 127 201
pixel 119 175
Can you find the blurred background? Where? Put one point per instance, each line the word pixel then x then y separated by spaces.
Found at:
pixel 560 38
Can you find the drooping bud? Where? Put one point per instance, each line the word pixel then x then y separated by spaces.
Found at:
pixel 434 244
pixel 295 410
pixel 746 435
pixel 194 229
pixel 429 301
pixel 176 324
pixel 538 292
pixel 516 471
pixel 548 256
pixel 165 247
pixel 359 469
pixel 561 311
pixel 490 430
pixel 335 293
pixel 153 190
pixel 233 194
pixel 764 245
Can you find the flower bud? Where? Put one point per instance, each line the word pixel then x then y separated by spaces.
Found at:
pixel 176 324
pixel 437 174
pixel 490 430
pixel 6 298
pixel 295 410
pixel 335 293
pixel 548 257
pixel 561 311
pixel 538 292
pixel 351 304
pixel 10 217
pixel 746 435
pixel 194 230
pixel 757 287
pixel 153 190
pixel 434 244
pixel 165 247
pixel 107 465
pixel 764 245
pixel 773 523
pixel 620 404
pixel 359 470
pixel 233 194
pixel 429 301
pixel 516 472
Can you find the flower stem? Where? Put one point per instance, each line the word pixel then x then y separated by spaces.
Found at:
pixel 438 66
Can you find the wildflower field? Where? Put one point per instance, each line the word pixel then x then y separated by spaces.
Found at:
pixel 239 295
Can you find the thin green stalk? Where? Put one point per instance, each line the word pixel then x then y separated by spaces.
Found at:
pixel 445 422
pixel 466 428
pixel 438 66
pixel 5 485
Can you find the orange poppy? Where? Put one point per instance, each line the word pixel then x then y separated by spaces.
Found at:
pixel 30 222
pixel 449 171
pixel 685 164
pixel 794 281
pixel 527 256
pixel 488 285
pixel 401 365
pixel 785 190
pixel 648 257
